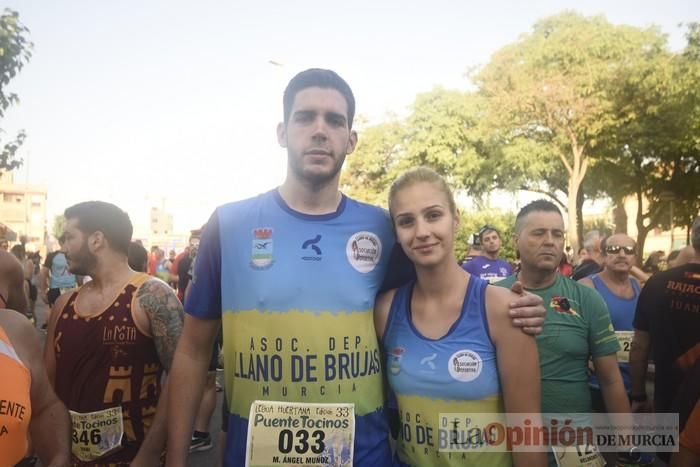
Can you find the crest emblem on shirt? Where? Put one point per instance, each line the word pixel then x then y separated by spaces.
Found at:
pixel 562 305
pixel 395 360
pixel 261 254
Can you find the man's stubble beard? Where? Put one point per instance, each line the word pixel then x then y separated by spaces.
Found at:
pixel 316 181
pixel 83 263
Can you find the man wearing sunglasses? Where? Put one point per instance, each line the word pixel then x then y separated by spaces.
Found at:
pixel 489 266
pixel 620 292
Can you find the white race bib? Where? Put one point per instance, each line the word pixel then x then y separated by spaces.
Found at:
pixel 625 340
pixel 96 434
pixel 578 456
pixel 295 433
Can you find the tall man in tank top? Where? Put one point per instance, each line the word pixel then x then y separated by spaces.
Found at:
pixel 293 273
pixel 109 342
pixel 620 292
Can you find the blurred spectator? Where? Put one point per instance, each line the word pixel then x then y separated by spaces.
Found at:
pixel 138 257
pixel 652 264
pixel 592 263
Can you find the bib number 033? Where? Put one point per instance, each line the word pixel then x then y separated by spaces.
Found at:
pixel 284 433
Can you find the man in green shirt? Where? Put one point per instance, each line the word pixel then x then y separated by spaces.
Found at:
pixel 577 323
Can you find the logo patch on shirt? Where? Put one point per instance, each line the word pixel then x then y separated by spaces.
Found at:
pixel 562 305
pixel 261 255
pixel 429 362
pixel 312 244
pixel 395 360
pixel 465 365
pixel 363 251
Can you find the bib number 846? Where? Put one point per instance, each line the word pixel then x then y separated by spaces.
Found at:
pixel 94 437
pixel 286 442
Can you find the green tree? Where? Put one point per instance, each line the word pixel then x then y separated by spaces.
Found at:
pixel 369 171
pixel 59 225
pixel 15 51
pixel 653 154
pixel 552 88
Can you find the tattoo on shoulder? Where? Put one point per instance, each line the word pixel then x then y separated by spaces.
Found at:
pixel 166 315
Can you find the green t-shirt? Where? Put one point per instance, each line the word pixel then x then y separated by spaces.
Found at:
pixel 571 335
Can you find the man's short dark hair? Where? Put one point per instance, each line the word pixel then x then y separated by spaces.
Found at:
pixel 486 229
pixel 320 78
pixel 540 205
pixel 94 216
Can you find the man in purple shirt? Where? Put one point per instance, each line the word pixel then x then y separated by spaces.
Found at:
pixel 488 266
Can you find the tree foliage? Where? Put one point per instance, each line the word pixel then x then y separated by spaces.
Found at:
pixel 552 88
pixel 59 225
pixel 15 52
pixel 576 109
pixel 653 154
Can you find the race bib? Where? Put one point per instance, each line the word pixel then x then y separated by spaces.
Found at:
pixel 284 433
pixel 585 455
pixel 625 340
pixel 96 434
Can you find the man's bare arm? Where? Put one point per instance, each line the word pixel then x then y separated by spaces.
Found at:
pixel 639 359
pixel 187 380
pixel 13 274
pixel 44 284
pixel 165 315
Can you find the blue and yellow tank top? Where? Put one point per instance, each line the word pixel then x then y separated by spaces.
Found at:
pixel 456 373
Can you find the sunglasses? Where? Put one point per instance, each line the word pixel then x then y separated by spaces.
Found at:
pixel 615 249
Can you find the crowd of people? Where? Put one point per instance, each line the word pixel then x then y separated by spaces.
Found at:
pixel 343 325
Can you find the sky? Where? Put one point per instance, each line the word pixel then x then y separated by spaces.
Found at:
pixel 175 104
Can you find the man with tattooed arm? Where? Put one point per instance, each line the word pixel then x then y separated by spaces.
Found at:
pixel 109 342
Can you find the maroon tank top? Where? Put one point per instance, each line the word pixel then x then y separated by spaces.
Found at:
pixel 106 361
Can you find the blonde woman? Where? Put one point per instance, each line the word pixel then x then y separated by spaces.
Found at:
pixel 450 343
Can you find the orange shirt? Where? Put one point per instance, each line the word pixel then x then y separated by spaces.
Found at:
pixel 15 404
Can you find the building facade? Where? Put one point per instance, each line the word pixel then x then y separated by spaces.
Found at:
pixel 23 210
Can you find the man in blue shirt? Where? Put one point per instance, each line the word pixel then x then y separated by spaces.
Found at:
pixel 489 266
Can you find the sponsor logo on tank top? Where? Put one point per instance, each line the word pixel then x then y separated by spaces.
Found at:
pixel 465 365
pixel 261 254
pixel 428 363
pixel 363 250
pixel 119 334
